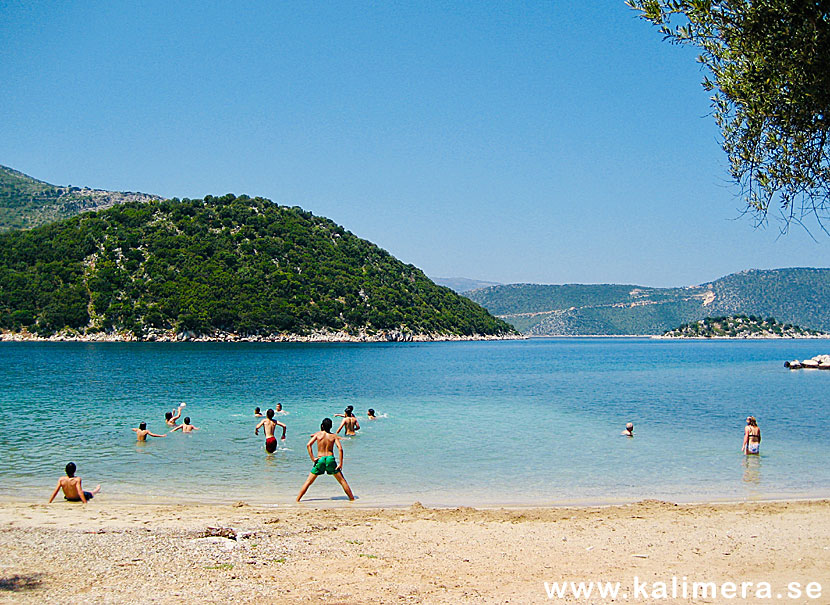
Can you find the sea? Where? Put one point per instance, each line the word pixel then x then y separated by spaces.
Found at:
pixel 503 423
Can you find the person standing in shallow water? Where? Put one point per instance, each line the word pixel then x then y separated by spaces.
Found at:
pixel 269 424
pixel 350 422
pixel 324 461
pixel 752 437
pixel 186 427
pixel 141 433
pixel 170 418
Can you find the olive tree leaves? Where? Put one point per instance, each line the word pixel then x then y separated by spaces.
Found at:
pixel 768 65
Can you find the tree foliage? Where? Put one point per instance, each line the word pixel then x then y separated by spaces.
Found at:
pixel 740 326
pixel 229 264
pixel 769 64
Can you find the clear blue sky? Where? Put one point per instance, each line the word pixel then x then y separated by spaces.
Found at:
pixel 551 142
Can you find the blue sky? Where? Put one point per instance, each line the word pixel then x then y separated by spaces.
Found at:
pixel 549 142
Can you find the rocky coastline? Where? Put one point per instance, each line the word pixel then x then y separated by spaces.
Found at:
pixel 767 336
pixel 155 335
pixel 743 327
pixel 819 362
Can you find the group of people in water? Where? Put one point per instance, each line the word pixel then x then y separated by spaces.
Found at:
pixel 323 462
pixel 170 418
pixel 752 436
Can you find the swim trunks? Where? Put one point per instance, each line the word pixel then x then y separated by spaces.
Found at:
pixel 753 448
pixel 325 464
pixel 271 445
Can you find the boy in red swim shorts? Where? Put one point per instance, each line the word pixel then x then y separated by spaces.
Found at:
pixel 269 424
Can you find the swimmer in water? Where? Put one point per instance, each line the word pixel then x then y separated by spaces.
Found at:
pixel 350 422
pixel 269 424
pixel 142 433
pixel 186 427
pixel 257 413
pixel 349 408
pixel 279 408
pixel 752 437
pixel 629 430
pixel 170 419
pixel 324 461
pixel 72 489
pixel 371 414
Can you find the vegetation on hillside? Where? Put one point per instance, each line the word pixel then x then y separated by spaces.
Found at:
pixel 515 299
pixel 26 202
pixel 222 264
pixel 796 296
pixel 739 326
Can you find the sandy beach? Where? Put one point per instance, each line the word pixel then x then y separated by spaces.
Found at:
pixel 127 553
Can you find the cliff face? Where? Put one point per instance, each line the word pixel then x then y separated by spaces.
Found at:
pixel 26 202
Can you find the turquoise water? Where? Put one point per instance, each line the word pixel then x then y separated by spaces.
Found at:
pixel 481 423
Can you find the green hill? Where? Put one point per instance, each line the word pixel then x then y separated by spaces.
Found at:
pixel 740 326
pixel 218 266
pixel 26 202
pixel 795 296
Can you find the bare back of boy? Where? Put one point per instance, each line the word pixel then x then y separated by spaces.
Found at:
pixel 73 490
pixel 71 487
pixel 351 425
pixel 141 434
pixel 325 443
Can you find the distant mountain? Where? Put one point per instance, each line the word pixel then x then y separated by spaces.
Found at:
pixel 222 267
pixel 462 284
pixel 796 296
pixel 26 202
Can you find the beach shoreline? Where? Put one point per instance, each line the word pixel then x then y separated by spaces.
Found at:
pixel 335 500
pixel 119 553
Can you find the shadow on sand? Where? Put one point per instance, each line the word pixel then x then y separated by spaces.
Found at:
pixel 19 583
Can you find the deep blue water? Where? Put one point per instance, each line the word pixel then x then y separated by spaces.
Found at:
pixel 480 423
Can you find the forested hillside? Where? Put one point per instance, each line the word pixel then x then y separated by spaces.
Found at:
pixel 795 296
pixel 740 326
pixel 223 264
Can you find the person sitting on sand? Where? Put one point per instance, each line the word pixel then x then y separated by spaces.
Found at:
pixel 170 418
pixel 350 422
pixel 752 437
pixel 71 486
pixel 142 433
pixel 371 414
pixel 269 424
pixel 324 461
pixel 629 430
pixel 186 427
pixel 257 413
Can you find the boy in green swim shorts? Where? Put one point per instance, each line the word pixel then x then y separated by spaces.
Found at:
pixel 324 461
